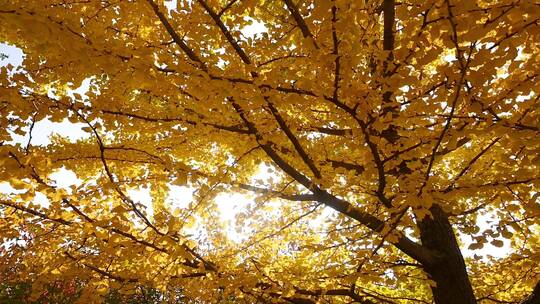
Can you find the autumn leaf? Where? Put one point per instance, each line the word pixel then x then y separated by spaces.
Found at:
pixel 318 151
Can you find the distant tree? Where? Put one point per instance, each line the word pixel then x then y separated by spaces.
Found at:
pixel 69 292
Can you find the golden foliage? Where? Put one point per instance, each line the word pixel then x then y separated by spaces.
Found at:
pixel 385 131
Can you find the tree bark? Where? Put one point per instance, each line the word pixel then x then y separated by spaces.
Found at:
pixel 448 271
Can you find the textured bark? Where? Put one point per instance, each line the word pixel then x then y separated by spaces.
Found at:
pixel 448 270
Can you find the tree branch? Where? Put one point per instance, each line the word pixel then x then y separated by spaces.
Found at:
pixel 406 245
pixel 174 35
pixel 300 21
pixel 225 32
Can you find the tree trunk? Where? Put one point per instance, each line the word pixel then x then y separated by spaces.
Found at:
pixel 448 271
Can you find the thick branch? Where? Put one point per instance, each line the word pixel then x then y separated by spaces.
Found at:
pixel 300 21
pixel 303 154
pixel 308 197
pixel 225 32
pixel 406 245
pixel 174 35
pixel 389 16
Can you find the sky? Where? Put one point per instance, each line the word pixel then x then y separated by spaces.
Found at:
pixel 229 204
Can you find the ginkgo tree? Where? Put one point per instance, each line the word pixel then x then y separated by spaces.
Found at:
pixel 388 129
